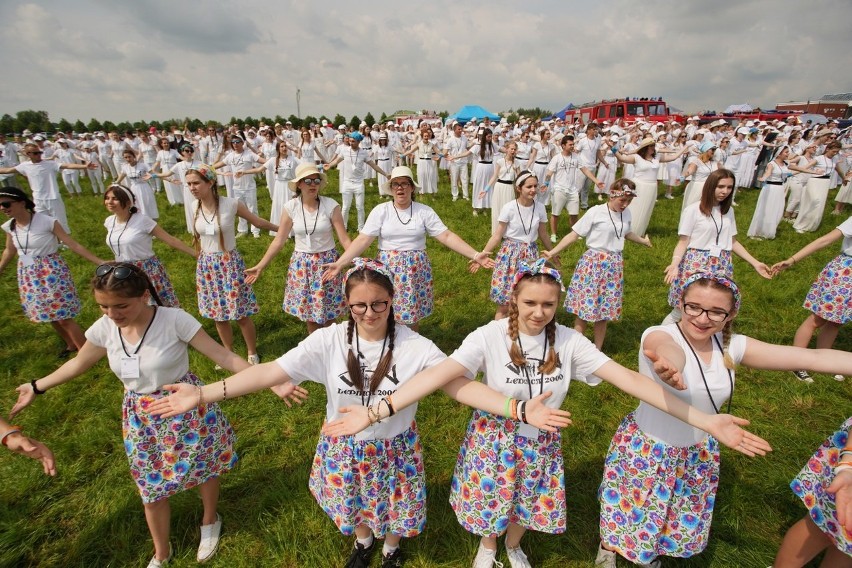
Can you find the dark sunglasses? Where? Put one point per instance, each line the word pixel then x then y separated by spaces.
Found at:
pixel 119 272
pixel 311 181
pixel 31 152
pixel 185 150
pixel 6 204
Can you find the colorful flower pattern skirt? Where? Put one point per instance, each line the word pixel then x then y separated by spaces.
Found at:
pixel 656 499
pixel 377 483
pixel 502 477
pixel 170 455
pixel 811 484
pixel 509 257
pixel 223 294
pixel 694 261
pixel 306 296
pixel 412 284
pixel 830 296
pixel 157 274
pixel 597 286
pixel 47 289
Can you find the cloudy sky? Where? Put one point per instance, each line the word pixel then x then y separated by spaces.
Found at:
pixel 160 59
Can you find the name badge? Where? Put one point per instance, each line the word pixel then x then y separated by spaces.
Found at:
pixel 209 229
pixel 715 251
pixel 130 367
pixel 528 431
pixel 27 260
pixel 308 240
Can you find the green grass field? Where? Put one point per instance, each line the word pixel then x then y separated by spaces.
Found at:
pixel 91 514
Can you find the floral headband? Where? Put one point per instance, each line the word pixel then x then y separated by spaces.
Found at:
pixel 538 267
pixel 717 278
pixel 360 263
pixel 205 171
pixel 622 191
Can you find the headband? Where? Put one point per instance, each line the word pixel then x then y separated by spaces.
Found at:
pixel 538 267
pixel 621 192
pixel 360 263
pixel 717 278
pixel 522 177
pixel 205 171
pixel 126 191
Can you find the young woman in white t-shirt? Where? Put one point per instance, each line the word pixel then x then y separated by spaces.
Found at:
pixel 707 237
pixel 45 285
pixel 528 359
pixel 280 168
pixel 130 236
pixel 313 219
pixel 521 222
pixel 402 227
pixel 137 175
pixel 220 282
pixel 828 299
pixel 359 362
pixel 167 157
pixel 669 470
pixel 597 286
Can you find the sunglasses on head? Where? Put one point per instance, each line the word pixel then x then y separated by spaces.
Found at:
pixel 119 272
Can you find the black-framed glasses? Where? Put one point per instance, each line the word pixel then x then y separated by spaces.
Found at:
pixel 6 204
pixel 377 307
pixel 311 181
pixel 119 272
pixel 400 185
pixel 693 310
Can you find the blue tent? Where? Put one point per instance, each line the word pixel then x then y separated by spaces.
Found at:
pixel 468 112
pixel 561 113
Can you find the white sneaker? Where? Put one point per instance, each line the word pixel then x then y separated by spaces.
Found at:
pixel 553 238
pixel 486 558
pixel 241 235
pixel 154 563
pixel 839 378
pixel 517 558
pixel 254 359
pixel 605 558
pixel 209 540
pixel 455 198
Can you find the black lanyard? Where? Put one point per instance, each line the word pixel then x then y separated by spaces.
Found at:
pixel 611 220
pixel 121 234
pixel 304 220
pixel 26 245
pixel 540 371
pixel 701 370
pixel 139 346
pixel 410 213
pixel 524 227
pixel 719 226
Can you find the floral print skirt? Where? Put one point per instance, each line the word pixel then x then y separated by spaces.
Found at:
pixel 47 289
pixel 306 296
pixel 597 287
pixel 223 294
pixel 509 258
pixel 830 296
pixel 413 299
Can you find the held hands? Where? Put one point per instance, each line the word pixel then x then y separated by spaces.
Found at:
pixel 252 274
pixel 780 267
pixel 670 273
pixel 332 269
pixel 480 259
pixel 290 393
pixel 184 398
pixel 841 488
pixel 763 270
pixel 33 449
pixel 26 395
pixel 664 369
pixel 726 429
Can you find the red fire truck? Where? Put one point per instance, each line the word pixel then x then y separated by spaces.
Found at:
pixel 628 109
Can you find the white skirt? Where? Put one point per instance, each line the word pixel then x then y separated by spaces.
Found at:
pixel 768 213
pixel 642 206
pixel 845 193
pixel 502 194
pixel 692 194
pixel 813 205
pixel 280 195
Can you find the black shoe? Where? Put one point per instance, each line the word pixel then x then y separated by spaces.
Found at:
pixel 392 560
pixel 361 555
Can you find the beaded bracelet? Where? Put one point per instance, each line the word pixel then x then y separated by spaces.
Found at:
pixel 14 430
pixel 224 389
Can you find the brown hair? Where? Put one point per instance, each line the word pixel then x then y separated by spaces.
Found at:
pixel 196 238
pixel 728 329
pixel 134 286
pixel 552 359
pixel 708 193
pixel 353 365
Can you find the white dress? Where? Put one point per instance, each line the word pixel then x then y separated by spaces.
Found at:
pixel 693 191
pixel 770 203
pixel 427 168
pixel 642 206
pixel 483 169
pixel 504 189
pixel 281 171
pixel 814 197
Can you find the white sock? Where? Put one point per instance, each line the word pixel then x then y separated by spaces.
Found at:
pixel 388 549
pixel 365 542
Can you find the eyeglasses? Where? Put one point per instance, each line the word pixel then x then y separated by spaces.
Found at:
pixel 400 185
pixel 33 152
pixel 236 141
pixel 695 311
pixel 185 150
pixel 311 181
pixel 6 204
pixel 361 309
pixel 119 272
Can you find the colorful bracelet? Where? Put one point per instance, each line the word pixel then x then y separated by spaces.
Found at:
pixel 514 409
pixel 506 406
pixel 522 411
pixel 389 402
pixel 14 430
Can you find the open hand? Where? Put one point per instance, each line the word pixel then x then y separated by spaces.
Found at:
pixel 26 396
pixel 353 419
pixel 727 429
pixel 184 398
pixel 664 369
pixel 545 418
pixel 841 488
pixel 290 393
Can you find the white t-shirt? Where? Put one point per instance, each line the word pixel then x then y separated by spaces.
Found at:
pixel 522 222
pixel 132 240
pixel 706 232
pixel 669 429
pixel 36 239
pixel 240 163
pixel 321 357
pixel 565 171
pixel 588 148
pixel 42 178
pixel 487 349
pixel 543 153
pixel 317 224
pixel 846 228
pixel 603 228
pixel 182 167
pixel 352 168
pixel 403 230
pixel 645 170
pixel 702 170
pixel 209 226
pixel 163 356
pixel 286 168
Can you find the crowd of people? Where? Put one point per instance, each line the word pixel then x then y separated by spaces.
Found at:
pixel 661 473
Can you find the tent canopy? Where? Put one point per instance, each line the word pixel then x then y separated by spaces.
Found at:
pixel 468 112
pixel 739 108
pixel 561 113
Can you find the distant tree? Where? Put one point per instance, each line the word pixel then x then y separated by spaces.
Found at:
pixel 249 121
pixel 384 118
pixel 279 119
pixel 444 114
pixel 34 120
pixel 94 125
pixel 123 127
pixel 533 113
pixel 512 117
pixel 297 122
pixel 325 118
pixel 339 119
pixel 309 120
pixel 7 124
pixel 109 126
pixel 234 120
pixel 355 122
pixel 266 120
pixel 79 126
pixel 370 119
pixel 64 126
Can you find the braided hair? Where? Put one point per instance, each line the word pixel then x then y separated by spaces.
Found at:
pixel 196 238
pixel 551 362
pixel 353 365
pixel 133 286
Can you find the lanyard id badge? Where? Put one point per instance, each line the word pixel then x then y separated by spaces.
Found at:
pixel 130 366
pixel 27 260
